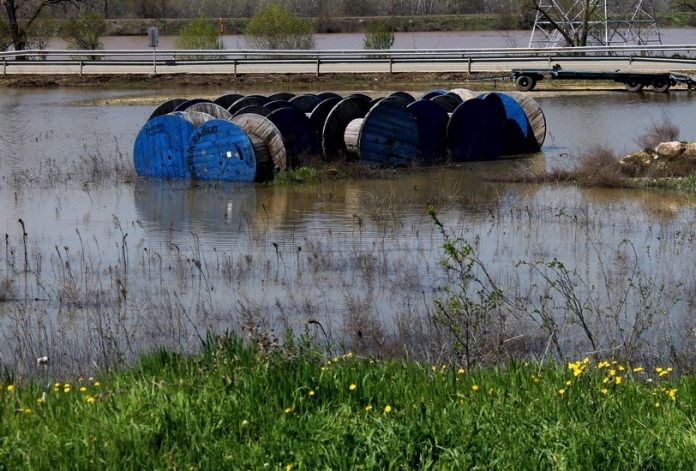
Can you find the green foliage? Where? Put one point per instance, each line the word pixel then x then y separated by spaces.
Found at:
pixel 303 174
pixel 84 32
pixel 379 35
pixel 275 27
pixel 239 407
pixel 199 33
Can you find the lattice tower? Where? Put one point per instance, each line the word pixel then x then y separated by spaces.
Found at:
pixel 612 22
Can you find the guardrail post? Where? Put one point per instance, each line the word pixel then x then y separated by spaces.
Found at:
pixel 4 66
pixel 549 61
pixel 468 66
pixel 318 65
pixel 82 64
pixel 630 61
pixel 391 63
pixel 234 64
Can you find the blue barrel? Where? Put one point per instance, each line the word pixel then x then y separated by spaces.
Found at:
pixel 475 129
pixel 220 150
pixel 432 122
pixel 389 135
pixel 160 147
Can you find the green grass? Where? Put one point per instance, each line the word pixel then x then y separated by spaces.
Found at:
pixel 235 408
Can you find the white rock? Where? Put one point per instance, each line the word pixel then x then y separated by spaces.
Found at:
pixel 670 149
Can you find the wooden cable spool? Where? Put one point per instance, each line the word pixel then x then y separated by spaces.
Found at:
pixel 253 109
pixel 267 142
pixel 535 115
pixel 318 117
pixel 196 118
pixel 284 96
pixel 188 103
pixel 448 101
pixel 226 100
pixel 332 141
pixel 213 109
pixel 251 100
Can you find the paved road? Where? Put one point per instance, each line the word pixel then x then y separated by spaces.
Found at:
pixel 477 65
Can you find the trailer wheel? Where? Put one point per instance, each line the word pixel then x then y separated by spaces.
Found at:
pixel 634 86
pixel 660 85
pixel 525 83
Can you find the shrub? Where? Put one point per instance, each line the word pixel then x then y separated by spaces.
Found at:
pixel 664 131
pixel 84 32
pixel 198 34
pixel 379 35
pixel 275 27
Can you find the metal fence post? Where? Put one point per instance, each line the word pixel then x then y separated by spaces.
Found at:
pixel 318 65
pixel 391 64
pixel 4 65
pixel 468 66
pixel 82 64
pixel 234 63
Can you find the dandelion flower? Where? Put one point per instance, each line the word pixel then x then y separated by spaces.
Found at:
pixel 657 404
pixel 90 399
pixel 368 408
pixel 659 370
pixel 568 383
pixel 618 380
pixel 26 410
pixel 83 389
pixel 612 373
pixel 460 371
pixel 311 392
pixel 97 384
pixel 603 364
pixel 56 386
pixel 10 388
pixel 387 409
pixel 561 391
pixel 638 369
pixel 288 410
pixel 672 393
pixel 475 387
pixel 353 387
pixel 349 355
pixel 604 391
pixel 288 467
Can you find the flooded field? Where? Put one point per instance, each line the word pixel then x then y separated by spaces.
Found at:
pixel 98 265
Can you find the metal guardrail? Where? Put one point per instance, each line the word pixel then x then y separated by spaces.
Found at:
pixel 685 53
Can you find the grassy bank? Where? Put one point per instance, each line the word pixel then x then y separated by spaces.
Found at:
pixel 238 407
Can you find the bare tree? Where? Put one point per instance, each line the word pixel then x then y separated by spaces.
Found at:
pixel 21 15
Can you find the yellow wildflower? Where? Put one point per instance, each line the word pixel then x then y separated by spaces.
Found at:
pixel 612 373
pixel 26 410
pixel 618 380
pixel 368 408
pixel 10 388
pixel 353 387
pixel 568 383
pixel 672 393
pixel 603 364
pixel 475 387
pixel 561 391
pixel 90 399
pixel 387 409
pixel 311 392
pixel 288 467
pixel 288 410
pixel 460 371
pixel 83 389
pixel 657 404
pixel 659 370
pixel 97 384
pixel 56 386
pixel 604 391
pixel 638 369
pixel 620 368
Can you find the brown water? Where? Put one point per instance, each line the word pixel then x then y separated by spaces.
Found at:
pixel 117 267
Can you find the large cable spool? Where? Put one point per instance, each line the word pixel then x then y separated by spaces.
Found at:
pixel 253 109
pixel 403 97
pixel 226 100
pixel 388 135
pixel 432 122
pixel 278 104
pixel 160 147
pixel 196 118
pixel 516 129
pixel 221 150
pixel 284 96
pixel 212 109
pixel 306 102
pixel 267 142
pixel 535 116
pixel 251 100
pixel 325 95
pixel 464 93
pixel 167 107
pixel 318 117
pixel 433 93
pixel 296 130
pixel 475 129
pixel 448 101
pixel 332 141
pixel 188 103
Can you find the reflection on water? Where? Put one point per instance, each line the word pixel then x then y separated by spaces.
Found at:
pixel 110 270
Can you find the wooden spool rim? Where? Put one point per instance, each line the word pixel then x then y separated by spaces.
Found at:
pixel 265 130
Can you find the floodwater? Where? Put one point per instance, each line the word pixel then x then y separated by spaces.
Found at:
pixel 111 266
pixel 410 40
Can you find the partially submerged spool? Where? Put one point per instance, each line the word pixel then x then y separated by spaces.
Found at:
pixel 432 122
pixel 167 107
pixel 267 142
pixel 296 130
pixel 221 150
pixel 332 143
pixel 160 147
pixel 535 116
pixel 475 129
pixel 318 117
pixel 196 118
pixel 212 109
pixel 516 129
pixel 388 134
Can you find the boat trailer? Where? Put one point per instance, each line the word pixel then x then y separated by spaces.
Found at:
pixel 526 79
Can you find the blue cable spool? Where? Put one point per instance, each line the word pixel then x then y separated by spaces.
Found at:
pixel 251 100
pixel 475 129
pixel 405 97
pixel 517 129
pixel 325 95
pixel 432 94
pixel 306 103
pixel 226 100
pixel 536 118
pixel 220 150
pixel 432 122
pixel 160 147
pixel 388 135
pixel 185 105
pixel 284 96
pixel 296 130
pixel 167 107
